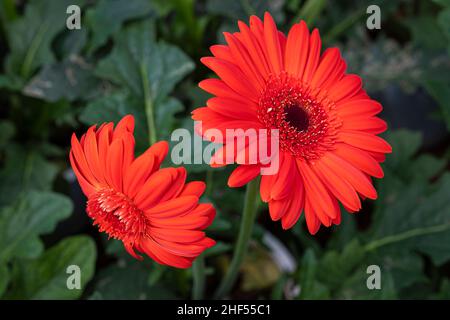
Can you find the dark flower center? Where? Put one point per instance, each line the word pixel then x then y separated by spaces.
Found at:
pixel 305 118
pixel 297 117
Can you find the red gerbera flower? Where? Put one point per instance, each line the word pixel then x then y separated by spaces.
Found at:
pixel 149 209
pixel 327 126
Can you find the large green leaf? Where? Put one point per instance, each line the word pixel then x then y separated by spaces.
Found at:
pixel 107 17
pixel 147 68
pixel 30 36
pixel 47 276
pixel 412 213
pixel 32 214
pixel 24 170
pixel 71 79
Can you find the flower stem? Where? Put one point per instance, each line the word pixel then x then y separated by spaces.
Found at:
pixel 247 222
pixel 198 272
pixel 148 105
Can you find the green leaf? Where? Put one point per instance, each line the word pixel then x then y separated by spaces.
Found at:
pixel 404 144
pixel 165 114
pixel 128 281
pixel 243 9
pixel 335 266
pixel 71 42
pixel 30 36
pixel 426 32
pixel 440 91
pixel 71 79
pixel 33 214
pixel 137 59
pixel 4 278
pixel 24 170
pixel 418 219
pixel 310 287
pixel 107 17
pixel 47 276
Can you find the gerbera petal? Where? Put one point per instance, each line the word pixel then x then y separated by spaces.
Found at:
pixel 114 164
pixel 296 206
pixel 233 108
pixel 173 207
pixel 156 186
pixel 315 45
pixel 349 173
pixel 340 188
pixel 315 189
pixel 272 44
pixel 348 86
pixel 254 49
pixel 151 248
pixel 365 141
pixel 220 89
pixel 297 49
pixel 91 154
pixel 359 159
pixel 312 222
pixel 177 235
pixel 243 174
pixel 194 188
pixel 138 172
pixel 85 185
pixel 372 125
pixel 285 177
pixel 328 62
pixel 125 125
pixel 355 108
pixel 243 60
pixel 232 76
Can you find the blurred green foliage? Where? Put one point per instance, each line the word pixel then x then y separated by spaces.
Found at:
pixel 128 54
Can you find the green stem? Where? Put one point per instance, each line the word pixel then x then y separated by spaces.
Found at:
pixel 405 235
pixel 148 105
pixel 198 270
pixel 245 232
pixel 209 183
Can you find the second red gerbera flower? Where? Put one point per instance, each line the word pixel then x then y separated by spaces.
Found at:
pixel 327 123
pixel 149 209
